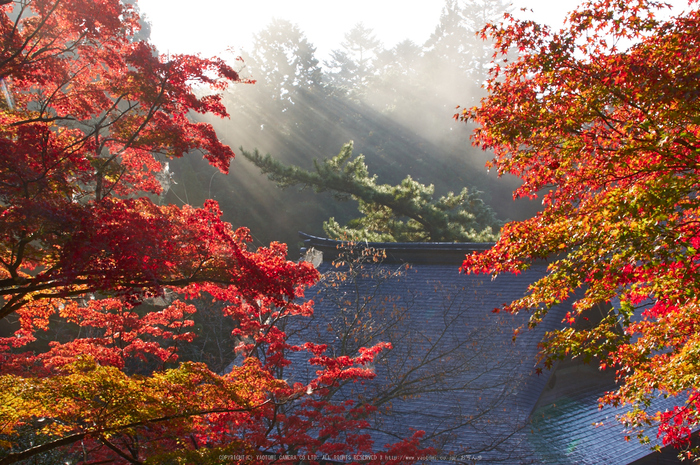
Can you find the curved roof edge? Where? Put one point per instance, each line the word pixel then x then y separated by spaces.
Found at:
pixel 400 252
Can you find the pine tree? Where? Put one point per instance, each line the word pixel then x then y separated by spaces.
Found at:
pixel 404 212
pixel 353 66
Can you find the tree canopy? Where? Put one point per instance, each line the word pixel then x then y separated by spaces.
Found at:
pixel 399 118
pixel 90 118
pixel 407 212
pixel 353 66
pixel 601 119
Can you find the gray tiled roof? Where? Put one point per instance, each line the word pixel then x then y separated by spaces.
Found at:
pixel 481 399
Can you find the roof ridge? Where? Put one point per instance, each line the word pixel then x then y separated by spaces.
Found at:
pixel 410 252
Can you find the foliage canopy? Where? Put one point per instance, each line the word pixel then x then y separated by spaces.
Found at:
pixel 603 117
pixel 407 212
pixel 91 116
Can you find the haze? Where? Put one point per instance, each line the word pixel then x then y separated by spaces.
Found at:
pixel 391 86
pixel 211 26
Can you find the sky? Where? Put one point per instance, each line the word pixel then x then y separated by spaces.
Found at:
pixel 210 27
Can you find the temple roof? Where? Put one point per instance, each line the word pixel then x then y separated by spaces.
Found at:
pixel 487 399
pixel 401 252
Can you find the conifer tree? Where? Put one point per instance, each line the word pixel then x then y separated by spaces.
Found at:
pixel 353 66
pixel 408 211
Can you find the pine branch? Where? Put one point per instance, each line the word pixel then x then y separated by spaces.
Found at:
pixel 405 212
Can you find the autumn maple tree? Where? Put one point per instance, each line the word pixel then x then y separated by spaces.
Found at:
pixel 601 119
pixel 89 117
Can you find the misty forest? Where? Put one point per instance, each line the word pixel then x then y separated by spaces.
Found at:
pixel 395 105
